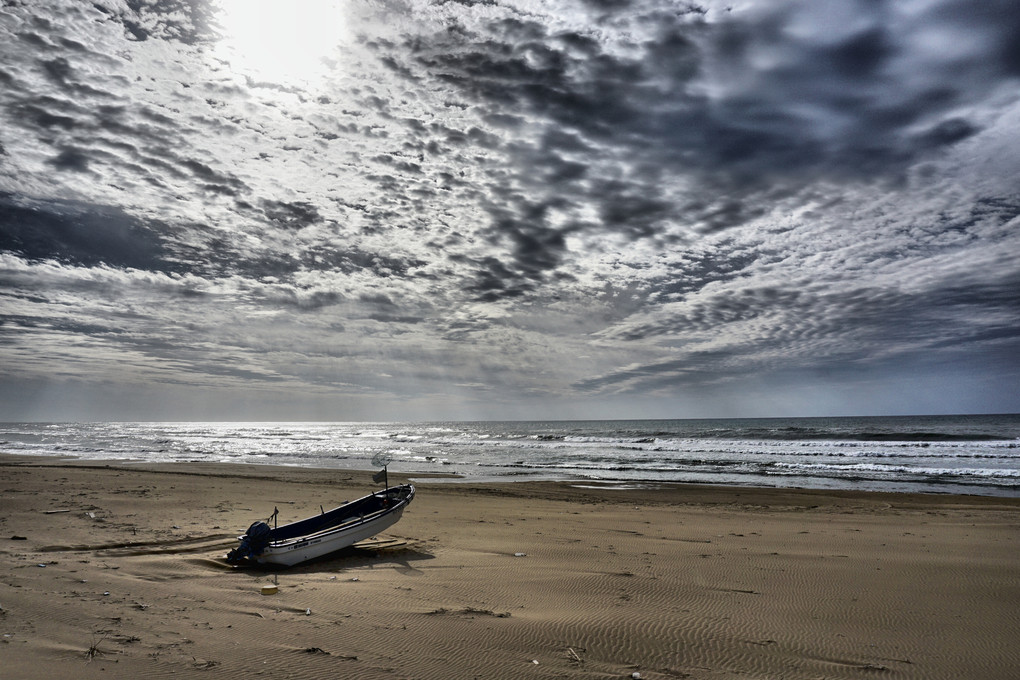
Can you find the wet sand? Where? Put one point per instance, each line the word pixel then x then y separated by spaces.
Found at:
pixel 118 571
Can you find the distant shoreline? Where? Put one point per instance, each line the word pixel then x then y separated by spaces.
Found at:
pixel 606 491
pixel 968 455
pixel 170 421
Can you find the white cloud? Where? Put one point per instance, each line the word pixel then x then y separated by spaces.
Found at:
pixel 539 204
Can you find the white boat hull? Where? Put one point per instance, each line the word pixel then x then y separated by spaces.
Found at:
pixel 289 553
pixel 320 535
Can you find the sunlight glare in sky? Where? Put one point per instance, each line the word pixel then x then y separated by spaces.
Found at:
pixel 279 42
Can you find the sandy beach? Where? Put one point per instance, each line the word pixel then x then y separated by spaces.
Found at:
pixel 118 571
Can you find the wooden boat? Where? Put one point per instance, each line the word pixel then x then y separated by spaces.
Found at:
pixel 325 533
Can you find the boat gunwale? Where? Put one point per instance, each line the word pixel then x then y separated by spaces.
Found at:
pixel 343 526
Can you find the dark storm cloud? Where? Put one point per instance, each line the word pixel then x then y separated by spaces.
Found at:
pixel 187 21
pixel 840 103
pixel 967 317
pixel 855 304
pixel 534 247
pixel 518 64
pixel 996 23
pixel 306 301
pixel 12 324
pixel 863 328
pixel 79 234
pixel 291 215
pixel 349 259
pixel 81 134
pixel 495 281
pixel 946 133
pixel 90 235
pixel 71 159
pixel 870 87
pixel 40 117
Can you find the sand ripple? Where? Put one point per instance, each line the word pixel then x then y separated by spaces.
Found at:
pixel 529 581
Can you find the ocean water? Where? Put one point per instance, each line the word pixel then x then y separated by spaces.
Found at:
pixel 932 454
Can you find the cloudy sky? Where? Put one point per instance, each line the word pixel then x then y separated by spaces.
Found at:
pixel 478 209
